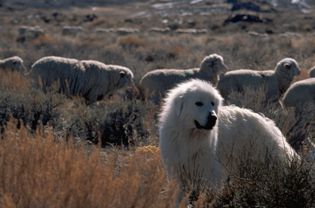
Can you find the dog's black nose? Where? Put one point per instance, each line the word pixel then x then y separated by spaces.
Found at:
pixel 211 121
pixel 212 118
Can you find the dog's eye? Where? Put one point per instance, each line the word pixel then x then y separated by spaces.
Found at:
pixel 199 103
pixel 212 103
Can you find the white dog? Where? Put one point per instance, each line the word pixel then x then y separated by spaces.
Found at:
pixel 202 142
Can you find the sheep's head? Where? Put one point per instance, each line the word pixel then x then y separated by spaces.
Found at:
pixel 312 72
pixel 214 64
pixel 124 77
pixel 288 67
pixel 14 63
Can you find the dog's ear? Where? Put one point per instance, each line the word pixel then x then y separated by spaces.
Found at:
pixel 179 104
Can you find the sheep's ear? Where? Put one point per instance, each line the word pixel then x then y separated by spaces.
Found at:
pixel 179 104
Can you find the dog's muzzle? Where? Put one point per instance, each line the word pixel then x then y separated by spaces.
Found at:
pixel 211 121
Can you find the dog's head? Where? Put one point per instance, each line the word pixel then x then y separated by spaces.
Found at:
pixel 194 104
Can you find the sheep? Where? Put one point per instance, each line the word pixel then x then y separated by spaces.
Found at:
pixel 90 79
pixel 275 83
pixel 155 83
pixel 13 63
pixel 126 31
pixel 300 95
pixel 312 72
pixel 191 31
pixel 29 33
pixel 72 30
pixel 160 30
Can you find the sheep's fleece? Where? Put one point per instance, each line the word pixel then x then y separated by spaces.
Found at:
pixel 90 79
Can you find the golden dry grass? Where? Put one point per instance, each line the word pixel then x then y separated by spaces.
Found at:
pixel 42 172
pixel 131 41
pixel 15 81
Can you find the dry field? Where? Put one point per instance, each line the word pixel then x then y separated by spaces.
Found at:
pixel 56 151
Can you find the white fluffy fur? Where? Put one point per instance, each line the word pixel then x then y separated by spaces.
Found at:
pixel 244 133
pixel 209 156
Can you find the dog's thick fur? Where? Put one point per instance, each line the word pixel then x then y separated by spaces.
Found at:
pixel 182 144
pixel 195 156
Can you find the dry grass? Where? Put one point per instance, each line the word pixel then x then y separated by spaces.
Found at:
pixel 14 81
pixel 42 171
pixel 38 171
pixel 131 42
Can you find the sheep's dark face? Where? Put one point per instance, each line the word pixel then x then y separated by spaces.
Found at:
pixel 125 78
pixel 289 67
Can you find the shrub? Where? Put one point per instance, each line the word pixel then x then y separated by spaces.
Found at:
pixel 39 171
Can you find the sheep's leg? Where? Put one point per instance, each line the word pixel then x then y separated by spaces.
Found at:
pixel 45 85
pixel 299 129
pixel 62 86
pixel 66 87
pixel 95 95
pixel 90 96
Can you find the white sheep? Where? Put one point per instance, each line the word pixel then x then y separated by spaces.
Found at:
pixel 155 83
pixel 160 30
pixel 90 79
pixel 274 82
pixel 312 72
pixel 72 30
pixel 29 33
pixel 301 96
pixel 13 63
